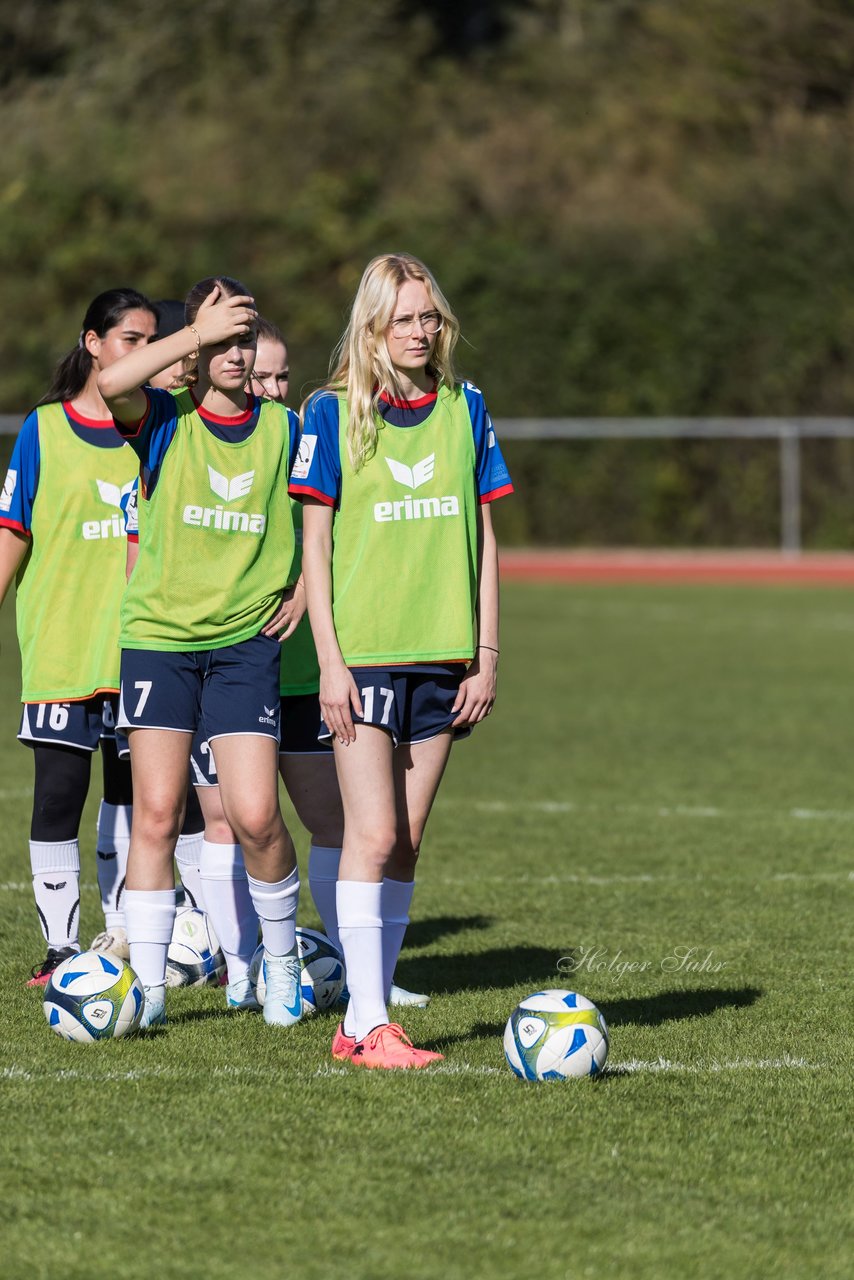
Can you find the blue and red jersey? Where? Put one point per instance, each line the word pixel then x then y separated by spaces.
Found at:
pixel 317 473
pixel 22 478
pixel 151 437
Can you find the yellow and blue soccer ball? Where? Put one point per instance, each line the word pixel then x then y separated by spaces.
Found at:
pixel 554 1035
pixel 93 996
pixel 194 958
pixel 322 979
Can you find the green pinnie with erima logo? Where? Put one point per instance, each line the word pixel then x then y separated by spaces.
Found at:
pixel 406 530
pixel 216 540
pixel 70 585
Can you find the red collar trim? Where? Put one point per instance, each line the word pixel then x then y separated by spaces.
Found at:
pixel 76 416
pixel 410 404
pixel 233 420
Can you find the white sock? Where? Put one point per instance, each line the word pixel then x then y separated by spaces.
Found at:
pixel 396 900
pixel 149 916
pixel 322 879
pixel 360 928
pixel 188 855
pixel 113 843
pixel 228 902
pixel 276 906
pixel 55 865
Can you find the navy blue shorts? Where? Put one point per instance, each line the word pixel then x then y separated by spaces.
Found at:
pixel 202 765
pixel 69 724
pixel 301 721
pixel 228 691
pixel 413 706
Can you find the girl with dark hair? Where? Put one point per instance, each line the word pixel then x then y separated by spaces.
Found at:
pixel 62 532
pixel 199 624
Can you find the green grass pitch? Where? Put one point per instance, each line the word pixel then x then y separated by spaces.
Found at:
pixel 660 815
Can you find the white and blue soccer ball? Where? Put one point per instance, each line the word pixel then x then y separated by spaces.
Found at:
pixel 553 1035
pixel 194 958
pixel 322 964
pixel 93 996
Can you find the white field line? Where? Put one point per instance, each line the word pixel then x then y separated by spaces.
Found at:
pixel 683 613
pixel 266 1075
pixel 816 877
pixel 654 811
pixel 522 878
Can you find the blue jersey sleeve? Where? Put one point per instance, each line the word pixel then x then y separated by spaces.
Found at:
pixel 293 438
pixel 152 436
pixel 317 470
pixel 131 512
pixel 493 478
pixel 22 478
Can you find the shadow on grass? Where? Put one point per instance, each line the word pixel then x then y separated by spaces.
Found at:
pixel 177 1016
pixel 498 967
pixel 421 933
pixel 670 1006
pixel 667 1006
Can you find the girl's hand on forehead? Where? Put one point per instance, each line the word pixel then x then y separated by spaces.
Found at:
pixel 220 318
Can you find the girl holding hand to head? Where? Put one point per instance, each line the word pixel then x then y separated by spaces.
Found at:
pixel 397 466
pixel 199 624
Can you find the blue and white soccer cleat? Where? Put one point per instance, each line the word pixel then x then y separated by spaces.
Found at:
pixel 283 1000
pixel 239 995
pixel 154 1013
pixel 401 998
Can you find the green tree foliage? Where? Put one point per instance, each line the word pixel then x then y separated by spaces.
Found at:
pixel 636 206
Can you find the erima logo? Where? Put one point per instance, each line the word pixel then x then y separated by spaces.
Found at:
pixel 114 526
pixel 217 517
pixel 413 477
pixel 9 485
pixel 270 717
pixel 410 508
pixel 230 490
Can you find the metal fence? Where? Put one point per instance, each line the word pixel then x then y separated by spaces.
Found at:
pixel 788 432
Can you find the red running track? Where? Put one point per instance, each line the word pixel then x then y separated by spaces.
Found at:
pixel 818 569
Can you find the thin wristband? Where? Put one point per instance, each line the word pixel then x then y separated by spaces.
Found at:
pixel 194 355
pixel 489 647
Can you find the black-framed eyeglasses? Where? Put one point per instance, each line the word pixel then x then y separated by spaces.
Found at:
pixel 404 326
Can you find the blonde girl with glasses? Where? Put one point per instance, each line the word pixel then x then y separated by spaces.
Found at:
pixel 397 467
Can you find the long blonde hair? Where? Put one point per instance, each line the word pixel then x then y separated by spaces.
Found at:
pixel 361 367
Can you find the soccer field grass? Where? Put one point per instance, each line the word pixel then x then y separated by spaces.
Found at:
pixel 660 814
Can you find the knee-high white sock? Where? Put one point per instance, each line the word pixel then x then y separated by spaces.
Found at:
pixel 396 900
pixel 188 854
pixel 229 906
pixel 276 906
pixel 56 884
pixel 113 843
pixel 360 928
pixel 149 917
pixel 322 879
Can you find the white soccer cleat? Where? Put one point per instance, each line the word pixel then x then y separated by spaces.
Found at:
pixel 114 940
pixel 283 999
pixel 239 995
pixel 402 998
pixel 154 1011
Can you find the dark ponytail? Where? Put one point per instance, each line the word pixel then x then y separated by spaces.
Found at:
pixel 103 314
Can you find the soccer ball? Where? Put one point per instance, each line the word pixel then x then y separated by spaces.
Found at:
pixel 194 958
pixel 322 971
pixel 93 996
pixel 552 1035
